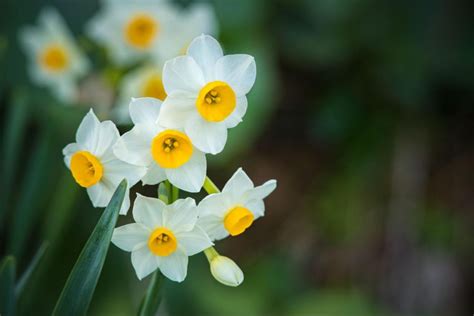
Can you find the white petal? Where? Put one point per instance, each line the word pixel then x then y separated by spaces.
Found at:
pixel 100 193
pixel 257 207
pixel 213 226
pixel 238 183
pixel 68 151
pixel 131 236
pixel 144 262
pixel 181 215
pixel 88 130
pixel 239 71
pixel 126 202
pixel 205 50
pixel 116 170
pixel 175 266
pixel 135 146
pixel 144 110
pixel 207 136
pixel 236 117
pixel 194 241
pixel 216 204
pixel 176 110
pixel 148 211
pixel 155 174
pixel 182 74
pixel 96 137
pixel 190 176
pixel 261 192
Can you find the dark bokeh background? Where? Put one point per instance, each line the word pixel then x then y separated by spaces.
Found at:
pixel 363 112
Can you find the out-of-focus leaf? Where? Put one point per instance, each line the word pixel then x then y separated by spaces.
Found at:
pixel 31 193
pixel 152 299
pixel 25 277
pixel 77 293
pixel 7 286
pixel 13 130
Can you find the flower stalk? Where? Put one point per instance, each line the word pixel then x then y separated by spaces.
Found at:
pixel 210 186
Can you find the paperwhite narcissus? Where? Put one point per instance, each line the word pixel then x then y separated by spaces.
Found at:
pixel 233 210
pixel 55 60
pixel 167 153
pixel 224 269
pixel 131 30
pixel 206 92
pixel 142 82
pixel 94 165
pixel 163 237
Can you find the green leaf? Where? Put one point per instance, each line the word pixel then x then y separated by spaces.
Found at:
pixel 7 286
pixel 14 128
pixel 151 301
pixel 77 293
pixel 25 277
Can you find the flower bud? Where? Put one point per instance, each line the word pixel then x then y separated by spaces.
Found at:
pixel 226 271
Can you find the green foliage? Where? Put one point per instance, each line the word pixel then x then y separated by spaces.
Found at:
pixel 77 293
pixel 7 286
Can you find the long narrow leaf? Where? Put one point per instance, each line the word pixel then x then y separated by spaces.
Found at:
pixel 77 293
pixel 25 277
pixel 151 301
pixel 7 286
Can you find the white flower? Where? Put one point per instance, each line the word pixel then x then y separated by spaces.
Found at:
pixel 206 92
pixel 132 30
pixel 142 82
pixel 234 209
pixel 167 153
pixel 163 237
pixel 94 165
pixel 55 59
pixel 224 269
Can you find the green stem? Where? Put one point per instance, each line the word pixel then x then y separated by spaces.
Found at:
pixel 210 186
pixel 151 302
pixel 211 253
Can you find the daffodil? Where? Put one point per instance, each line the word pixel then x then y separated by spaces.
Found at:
pixel 94 165
pixel 55 60
pixel 163 237
pixel 206 92
pixel 233 210
pixel 142 82
pixel 166 153
pixel 131 30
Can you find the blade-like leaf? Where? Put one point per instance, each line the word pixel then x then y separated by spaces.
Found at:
pixel 77 293
pixel 25 277
pixel 7 286
pixel 151 301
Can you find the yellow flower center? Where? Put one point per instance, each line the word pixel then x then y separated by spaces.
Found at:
pixel 141 30
pixel 86 168
pixel 162 242
pixel 153 87
pixel 216 101
pixel 238 220
pixel 171 149
pixel 54 58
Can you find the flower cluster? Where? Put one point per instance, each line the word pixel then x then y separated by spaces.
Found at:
pixel 205 96
pixel 137 36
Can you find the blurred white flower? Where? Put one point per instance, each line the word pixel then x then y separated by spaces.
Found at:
pixel 224 269
pixel 206 92
pixel 132 30
pixel 55 60
pixel 233 210
pixel 94 165
pixel 167 153
pixel 163 237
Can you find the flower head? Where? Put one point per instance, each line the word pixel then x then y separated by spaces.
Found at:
pixel 55 59
pixel 163 237
pixel 94 165
pixel 166 153
pixel 233 210
pixel 224 269
pixel 206 92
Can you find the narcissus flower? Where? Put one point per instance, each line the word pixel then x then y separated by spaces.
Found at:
pixel 233 210
pixel 167 153
pixel 55 59
pixel 206 92
pixel 224 269
pixel 163 237
pixel 94 165
pixel 134 29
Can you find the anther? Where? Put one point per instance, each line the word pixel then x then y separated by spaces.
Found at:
pixel 214 93
pixel 167 149
pixel 208 100
pixel 175 144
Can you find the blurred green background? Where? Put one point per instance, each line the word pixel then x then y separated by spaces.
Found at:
pixel 363 112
